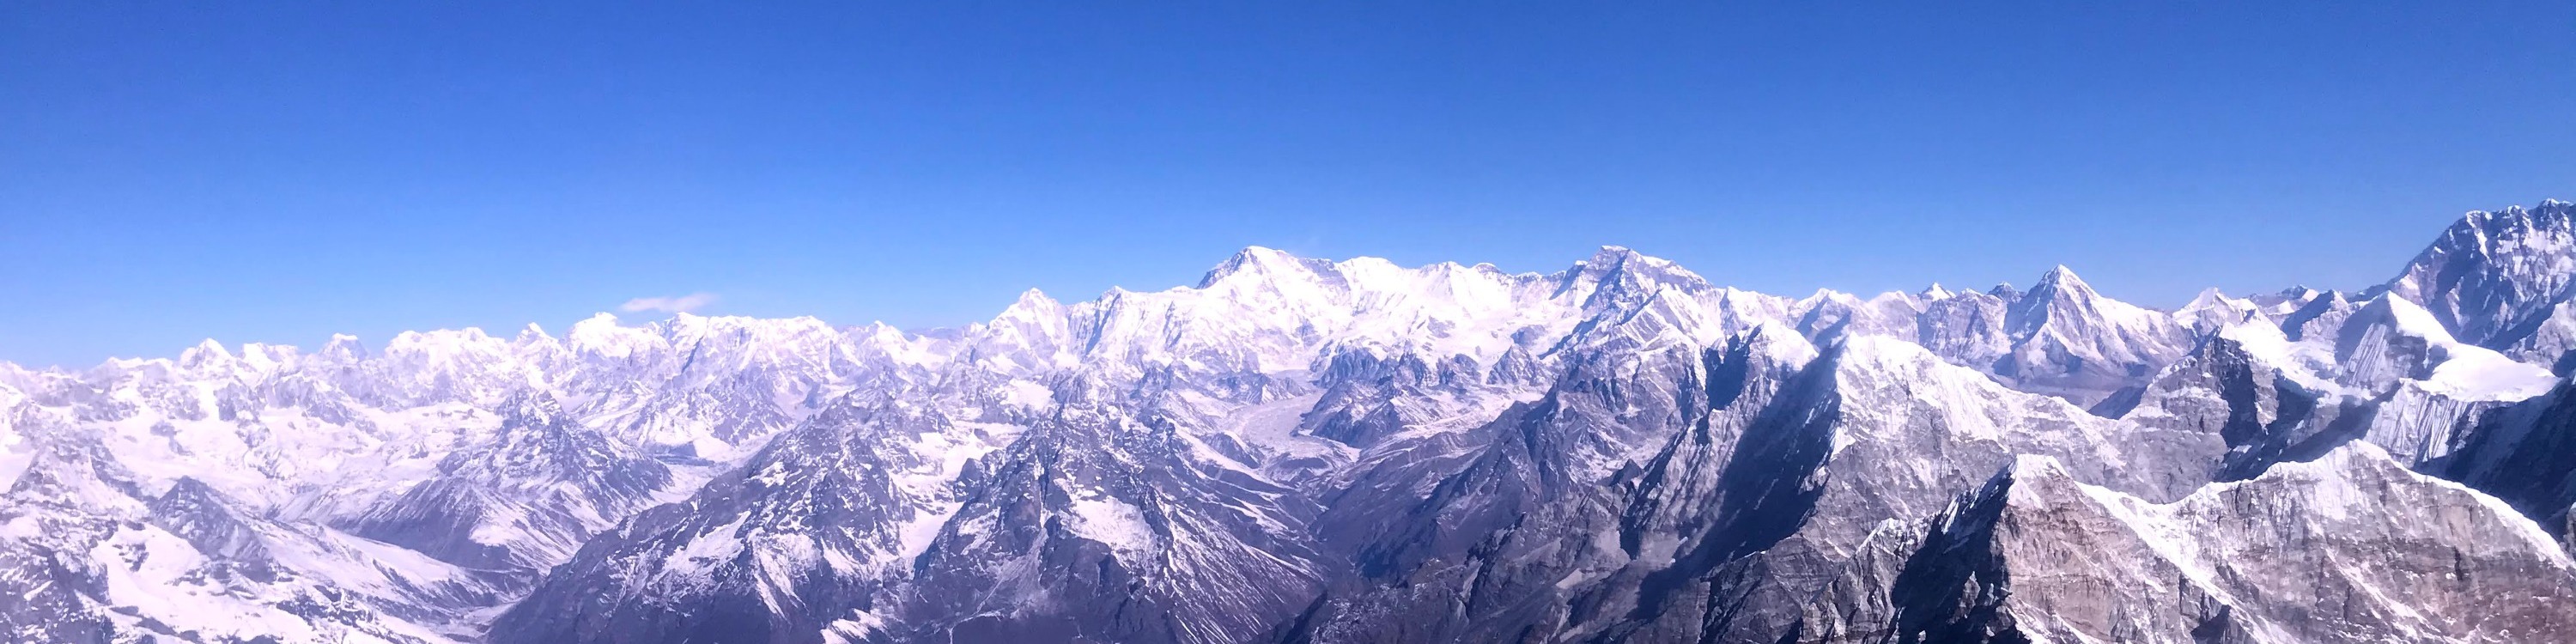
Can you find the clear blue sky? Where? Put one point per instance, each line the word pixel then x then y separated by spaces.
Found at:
pixel 170 173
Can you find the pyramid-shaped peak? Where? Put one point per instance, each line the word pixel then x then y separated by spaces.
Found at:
pixel 2061 277
pixel 1031 304
pixel 2061 284
pixel 207 351
pixel 1262 253
pixel 2212 310
pixel 1611 255
pixel 192 494
pixel 204 517
pixel 1260 260
pixel 343 347
pixel 2059 298
pixel 2211 297
pixel 532 333
pixel 2328 296
pixel 1637 266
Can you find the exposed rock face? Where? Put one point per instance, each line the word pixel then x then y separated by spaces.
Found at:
pixel 798 535
pixel 1302 450
pixel 2500 280
pixel 2036 555
pixel 2526 455
pixel 523 502
pixel 2071 341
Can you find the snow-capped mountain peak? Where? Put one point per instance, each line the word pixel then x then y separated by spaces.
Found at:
pixel 1309 450
pixel 2501 279
pixel 1259 264
pixel 207 354
pixel 342 349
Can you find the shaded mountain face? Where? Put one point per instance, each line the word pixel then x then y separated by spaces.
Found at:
pixel 1304 450
pixel 2028 555
pixel 2501 280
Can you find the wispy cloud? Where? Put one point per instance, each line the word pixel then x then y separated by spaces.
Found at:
pixel 680 304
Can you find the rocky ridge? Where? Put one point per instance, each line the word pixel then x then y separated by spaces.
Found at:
pixel 1302 450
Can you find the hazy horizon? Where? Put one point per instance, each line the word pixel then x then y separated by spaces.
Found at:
pixel 278 175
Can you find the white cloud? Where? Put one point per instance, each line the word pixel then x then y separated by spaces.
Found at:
pixel 681 304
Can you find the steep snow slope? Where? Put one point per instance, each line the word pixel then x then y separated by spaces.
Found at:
pixel 2501 280
pixel 1307 450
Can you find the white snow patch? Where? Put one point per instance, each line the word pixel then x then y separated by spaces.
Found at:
pixel 1113 522
pixel 2477 373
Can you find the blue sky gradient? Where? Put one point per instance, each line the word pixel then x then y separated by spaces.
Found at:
pixel 278 174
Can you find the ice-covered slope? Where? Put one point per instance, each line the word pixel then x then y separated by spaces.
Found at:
pixel 2501 280
pixel 1296 449
pixel 466 464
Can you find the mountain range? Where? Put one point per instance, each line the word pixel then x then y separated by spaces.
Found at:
pixel 1298 450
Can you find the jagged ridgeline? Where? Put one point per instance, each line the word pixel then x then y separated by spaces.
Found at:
pixel 1302 450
